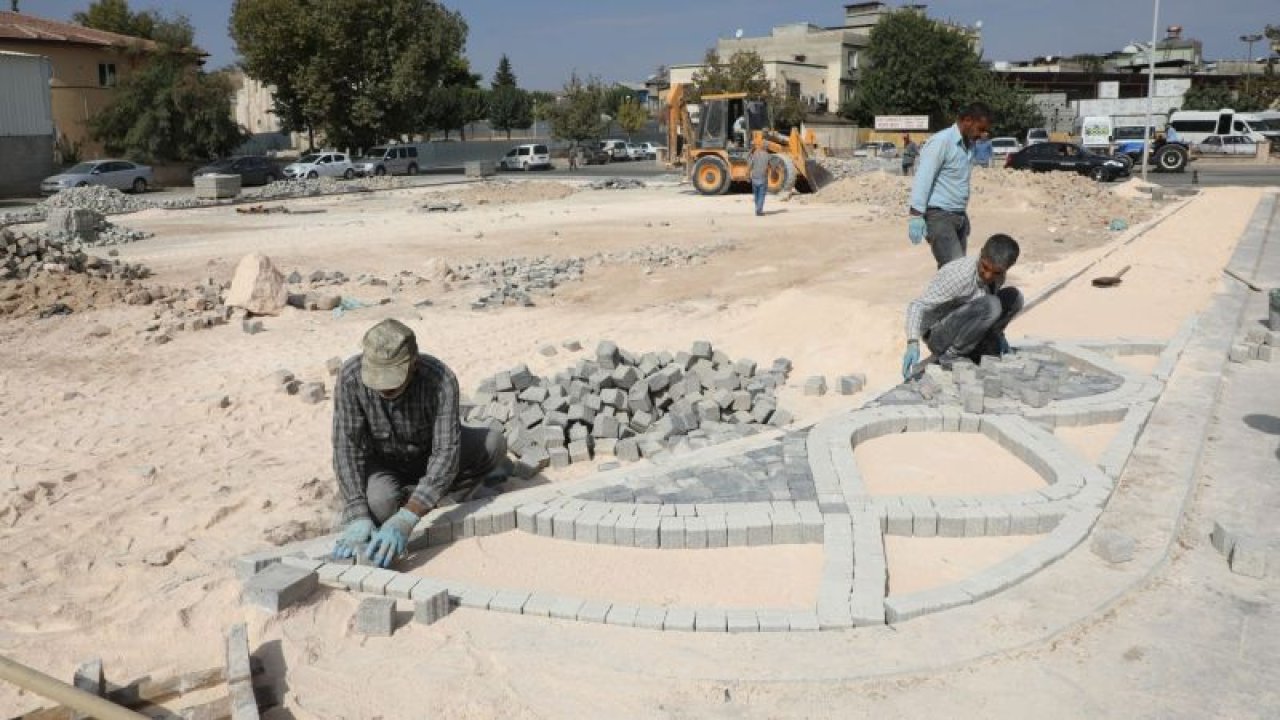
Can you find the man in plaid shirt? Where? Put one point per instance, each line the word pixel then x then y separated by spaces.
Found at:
pixel 966 308
pixel 398 444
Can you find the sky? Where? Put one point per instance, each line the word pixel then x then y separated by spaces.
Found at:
pixel 547 40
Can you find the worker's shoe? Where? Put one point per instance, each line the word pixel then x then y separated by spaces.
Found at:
pixel 948 359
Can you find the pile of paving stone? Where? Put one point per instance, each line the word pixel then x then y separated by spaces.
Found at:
pixel 318 277
pixel 320 186
pixel 628 406
pixel 1026 379
pixel 183 309
pixel 24 256
pixel 97 198
pixel 839 168
pixel 616 184
pixel 88 228
pixel 516 281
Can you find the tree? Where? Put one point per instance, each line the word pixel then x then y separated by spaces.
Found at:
pixel 918 66
pixel 744 73
pixel 1263 91
pixel 359 70
pixel 510 108
pixel 631 117
pixel 1208 97
pixel 166 109
pixel 579 113
pixel 504 77
pixel 612 98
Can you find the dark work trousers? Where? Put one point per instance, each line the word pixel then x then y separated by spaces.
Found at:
pixel 975 328
pixel 389 487
pixel 948 234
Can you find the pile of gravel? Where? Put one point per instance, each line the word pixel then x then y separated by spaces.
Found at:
pixel 25 256
pixel 838 168
pixel 616 184
pixel 282 189
pixel 627 405
pixel 105 200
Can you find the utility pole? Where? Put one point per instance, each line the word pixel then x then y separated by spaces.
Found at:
pixel 1250 39
pixel 1151 89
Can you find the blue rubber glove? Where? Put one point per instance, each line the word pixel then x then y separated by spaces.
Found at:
pixel 910 358
pixel 356 532
pixel 916 229
pixel 392 538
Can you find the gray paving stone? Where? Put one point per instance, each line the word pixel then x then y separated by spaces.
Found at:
pixel 566 608
pixel 509 601
pixel 1023 520
pixel 671 533
pixel 475 597
pixel 429 609
pixel 650 618
pixel 759 528
pixel 718 531
pixel 1113 546
pixel 376 616
pixel 594 611
pixel 539 604
pixel 278 586
pixel 375 583
pixel 647 532
pixel 1250 557
pixel 998 521
pixel 1222 538
pixel 622 615
pixel 710 620
pixel 951 522
pixel 924 522
pixel 900 520
pixel 679 619
pixel 736 530
pixel 695 532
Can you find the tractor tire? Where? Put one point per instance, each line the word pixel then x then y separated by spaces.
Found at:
pixel 1172 158
pixel 781 174
pixel 711 175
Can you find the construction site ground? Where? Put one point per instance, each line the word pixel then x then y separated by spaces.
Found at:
pixel 127 487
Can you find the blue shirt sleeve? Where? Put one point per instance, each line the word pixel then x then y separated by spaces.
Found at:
pixel 927 172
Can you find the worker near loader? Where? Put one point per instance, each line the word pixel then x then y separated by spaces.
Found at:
pixel 940 193
pixel 758 163
pixel 965 309
pixel 399 446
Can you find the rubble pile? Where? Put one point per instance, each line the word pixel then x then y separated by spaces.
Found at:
pixel 87 227
pixel 616 184
pixel 281 189
pixel 25 256
pixel 184 309
pixel 48 276
pixel 628 406
pixel 840 168
pixel 97 198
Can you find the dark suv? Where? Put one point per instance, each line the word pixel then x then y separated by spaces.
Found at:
pixel 1045 156
pixel 252 169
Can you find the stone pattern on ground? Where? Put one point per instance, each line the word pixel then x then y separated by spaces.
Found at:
pixel 848 522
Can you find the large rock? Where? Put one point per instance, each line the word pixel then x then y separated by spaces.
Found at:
pixel 258 286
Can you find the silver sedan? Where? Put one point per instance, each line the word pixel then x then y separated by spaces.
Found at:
pixel 119 174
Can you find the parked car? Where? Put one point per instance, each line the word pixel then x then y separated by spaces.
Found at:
pixel 635 152
pixel 119 174
pixel 882 149
pixel 527 157
pixel 651 151
pixel 1003 146
pixel 252 169
pixel 1037 135
pixel 1046 156
pixel 1227 145
pixel 592 153
pixel 617 149
pixel 326 164
pixel 388 160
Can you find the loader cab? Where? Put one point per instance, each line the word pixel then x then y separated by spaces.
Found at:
pixel 728 122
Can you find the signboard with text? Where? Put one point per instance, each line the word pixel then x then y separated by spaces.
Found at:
pixel 902 122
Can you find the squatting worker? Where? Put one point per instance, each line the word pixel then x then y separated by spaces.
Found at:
pixel 399 446
pixel 965 309
pixel 940 193
pixel 758 163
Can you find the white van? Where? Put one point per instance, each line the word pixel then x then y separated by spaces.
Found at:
pixel 1193 126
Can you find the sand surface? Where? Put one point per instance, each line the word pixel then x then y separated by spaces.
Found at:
pixel 940 463
pixel 772 576
pixel 1090 441
pixel 126 490
pixel 1142 363
pixel 924 563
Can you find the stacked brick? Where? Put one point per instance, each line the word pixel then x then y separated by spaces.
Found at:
pixel 1258 344
pixel 23 256
pixel 630 406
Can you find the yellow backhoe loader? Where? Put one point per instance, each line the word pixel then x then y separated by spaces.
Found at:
pixel 713 152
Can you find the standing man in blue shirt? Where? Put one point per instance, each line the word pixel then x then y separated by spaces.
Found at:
pixel 940 193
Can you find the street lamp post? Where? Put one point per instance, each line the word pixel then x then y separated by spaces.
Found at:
pixel 1151 89
pixel 1249 39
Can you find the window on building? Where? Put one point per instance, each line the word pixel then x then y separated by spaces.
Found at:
pixel 801 58
pixel 853 60
pixel 106 74
pixel 793 89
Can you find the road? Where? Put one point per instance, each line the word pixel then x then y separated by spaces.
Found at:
pixel 1217 175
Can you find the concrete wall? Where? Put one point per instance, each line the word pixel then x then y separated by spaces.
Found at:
pixel 27 160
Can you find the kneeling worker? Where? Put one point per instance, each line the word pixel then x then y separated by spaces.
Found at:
pixel 399 445
pixel 966 308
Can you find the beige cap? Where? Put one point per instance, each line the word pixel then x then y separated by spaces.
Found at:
pixel 389 351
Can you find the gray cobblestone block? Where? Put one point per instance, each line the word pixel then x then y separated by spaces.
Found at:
pixel 594 611
pixel 651 618
pixel 545 521
pixel 718 531
pixel 586 526
pixel 1049 517
pixel 835 614
pixel 759 529
pixel 1113 546
pixel 526 517
pixel 671 533
pixel 736 530
pixel 815 385
pixel 998 522
pixel 695 532
pixel 679 619
pixel 902 608
pixel 566 608
pixel 375 583
pixel 1239 353
pixel 710 620
pixel 562 524
pixel 900 520
pixel 477 598
pixel 787 529
pixel 627 449
pixel 402 585
pixel 975 522
pixel 607 354
pixel 851 384
pixel 951 522
pixel 1222 538
pixel 701 349
pixel 810 523
pixel 622 615
pixel 1023 520
pixel 924 522
pixel 328 573
pixel 1249 557
pixel 579 451
pixel 780 418
pixel 647 532
pixel 802 620
pixel 278 586
pixel 867 610
pixel 773 620
pixel 559 457
pixel 539 604
pixel 553 437
pixel 739 620
pixel 376 616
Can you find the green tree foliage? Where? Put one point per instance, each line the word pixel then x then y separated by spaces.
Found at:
pixel 359 70
pixel 743 73
pixel 631 117
pixel 510 108
pixel 543 101
pixel 579 114
pixel 167 108
pixel 504 76
pixel 1264 90
pixel 918 66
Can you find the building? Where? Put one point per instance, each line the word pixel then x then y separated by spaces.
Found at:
pixel 87 66
pixel 26 123
pixel 819 65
